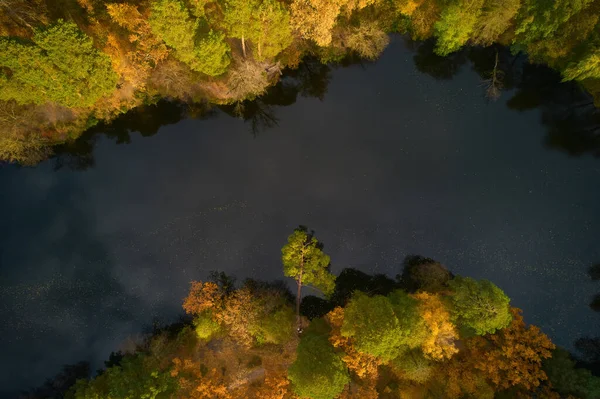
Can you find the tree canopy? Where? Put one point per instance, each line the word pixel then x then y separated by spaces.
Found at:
pixel 371 322
pixel 59 65
pixel 207 53
pixel 318 372
pixel 479 305
pixel 304 261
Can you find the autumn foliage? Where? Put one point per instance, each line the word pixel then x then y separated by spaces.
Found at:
pixel 513 356
pixel 100 58
pixel 242 342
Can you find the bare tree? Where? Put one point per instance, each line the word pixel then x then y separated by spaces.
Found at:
pixel 493 85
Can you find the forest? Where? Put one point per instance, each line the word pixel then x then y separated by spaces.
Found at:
pixel 68 65
pixel 425 334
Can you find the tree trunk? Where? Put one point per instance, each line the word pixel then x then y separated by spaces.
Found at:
pixel 259 51
pixel 244 46
pixel 15 15
pixel 299 295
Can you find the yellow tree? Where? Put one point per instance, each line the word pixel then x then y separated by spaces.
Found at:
pixel 148 49
pixel 439 343
pixel 315 19
pixel 424 18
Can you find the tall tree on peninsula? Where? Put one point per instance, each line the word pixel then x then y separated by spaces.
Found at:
pixel 304 261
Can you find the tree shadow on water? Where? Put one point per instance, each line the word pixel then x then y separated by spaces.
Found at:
pixel 588 348
pixel 147 120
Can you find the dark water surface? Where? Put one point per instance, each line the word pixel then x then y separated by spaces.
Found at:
pixel 391 162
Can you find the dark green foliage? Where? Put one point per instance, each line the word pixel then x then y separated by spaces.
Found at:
pixel 314 307
pixel 58 386
pixel 137 376
pixel 318 371
pixel 595 303
pixel 594 272
pixel 350 280
pixel 424 274
pixel 568 380
pixel 539 20
pixel 274 320
pixel 275 327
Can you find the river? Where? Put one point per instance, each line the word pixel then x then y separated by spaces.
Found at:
pixel 380 159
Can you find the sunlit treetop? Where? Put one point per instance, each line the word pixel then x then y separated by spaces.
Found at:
pixel 479 305
pixel 303 258
pixel 60 65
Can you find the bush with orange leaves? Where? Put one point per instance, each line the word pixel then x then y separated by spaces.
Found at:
pixel 250 314
pixel 203 296
pixel 193 385
pixel 513 356
pixel 275 387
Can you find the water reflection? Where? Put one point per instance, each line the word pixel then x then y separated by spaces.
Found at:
pixel 427 62
pixel 571 120
pixel 146 120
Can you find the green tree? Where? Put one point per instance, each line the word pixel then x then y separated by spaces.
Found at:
pixel 240 20
pixel 586 67
pixel 274 327
pixel 304 261
pixel 371 322
pixel 568 380
pixel 211 54
pixel 539 20
pixel 423 274
pixel 413 366
pixel 497 16
pixel 138 377
pixel 274 317
pixel 206 326
pixel 86 389
pixel 264 22
pixel 479 306
pixel 367 39
pixel 412 327
pixel 274 32
pixel 318 372
pixel 171 21
pixel 60 66
pixel 457 23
